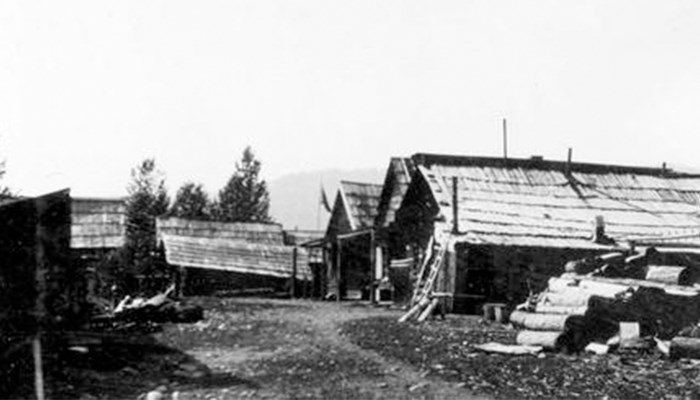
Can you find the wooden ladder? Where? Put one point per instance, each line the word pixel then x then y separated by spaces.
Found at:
pixel 422 295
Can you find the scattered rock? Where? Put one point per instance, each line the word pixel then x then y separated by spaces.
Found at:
pixel 154 395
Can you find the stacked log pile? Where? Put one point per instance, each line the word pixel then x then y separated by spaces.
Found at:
pixel 587 303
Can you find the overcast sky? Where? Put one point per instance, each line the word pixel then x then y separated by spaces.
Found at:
pixel 90 88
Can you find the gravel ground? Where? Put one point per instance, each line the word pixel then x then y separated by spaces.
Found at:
pixel 446 348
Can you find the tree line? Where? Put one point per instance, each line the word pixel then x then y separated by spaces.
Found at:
pixel 139 265
pixel 244 198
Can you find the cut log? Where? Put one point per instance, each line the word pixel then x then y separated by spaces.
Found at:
pixel 546 339
pixel 673 275
pixel 585 284
pixel 538 321
pixel 588 265
pixel 570 298
pixel 684 347
pixel 657 312
pixel 547 309
pixel 633 283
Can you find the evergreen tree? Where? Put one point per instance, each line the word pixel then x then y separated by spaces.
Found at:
pixel 245 197
pixel 191 201
pixel 147 199
pixel 5 192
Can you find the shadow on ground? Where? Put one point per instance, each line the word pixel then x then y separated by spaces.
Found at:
pixel 118 367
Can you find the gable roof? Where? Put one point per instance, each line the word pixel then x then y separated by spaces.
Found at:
pixel 97 223
pixel 235 255
pixel 553 204
pixel 396 181
pixel 360 201
pixel 244 231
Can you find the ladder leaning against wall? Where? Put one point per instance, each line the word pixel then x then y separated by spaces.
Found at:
pixel 425 299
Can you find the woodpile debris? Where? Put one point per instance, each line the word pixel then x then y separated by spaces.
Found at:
pixel 141 314
pixel 591 305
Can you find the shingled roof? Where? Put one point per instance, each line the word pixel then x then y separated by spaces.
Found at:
pixel 533 202
pixel 248 248
pixel 249 232
pixel 97 223
pixel 235 256
pixel 361 200
pixel 396 181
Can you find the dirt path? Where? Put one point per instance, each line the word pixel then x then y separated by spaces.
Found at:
pixel 297 350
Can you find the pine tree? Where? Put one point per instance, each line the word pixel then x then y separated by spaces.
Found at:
pixel 191 201
pixel 245 197
pixel 5 192
pixel 147 199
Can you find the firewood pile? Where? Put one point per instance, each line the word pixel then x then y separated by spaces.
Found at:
pixel 595 297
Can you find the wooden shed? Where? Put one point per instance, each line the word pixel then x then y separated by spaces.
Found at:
pixel 98 230
pixel 509 224
pixel 97 223
pixel 312 242
pixel 396 181
pixel 349 240
pixel 227 257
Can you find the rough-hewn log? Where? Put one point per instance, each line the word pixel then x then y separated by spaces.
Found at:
pixel 685 347
pixel 673 275
pixel 547 339
pixel 657 312
pixel 550 309
pixel 539 321
pixel 633 283
pixel 571 298
pixel 581 283
pixel 588 265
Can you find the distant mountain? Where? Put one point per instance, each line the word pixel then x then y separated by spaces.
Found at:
pixel 294 198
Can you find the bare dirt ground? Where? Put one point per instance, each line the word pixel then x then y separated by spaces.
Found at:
pixel 289 349
pixel 245 348
pixel 296 349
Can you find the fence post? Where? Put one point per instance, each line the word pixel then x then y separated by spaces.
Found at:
pixel 292 288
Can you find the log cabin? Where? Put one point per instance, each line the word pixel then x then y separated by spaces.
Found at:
pixel 349 241
pixel 98 231
pixel 510 224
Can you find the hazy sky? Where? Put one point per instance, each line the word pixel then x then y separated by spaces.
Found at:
pixel 89 88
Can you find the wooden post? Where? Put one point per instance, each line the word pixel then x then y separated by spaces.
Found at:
pixel 455 204
pixel 38 368
pixel 378 270
pixel 337 269
pixel 182 281
pixel 450 278
pixel 292 287
pixel 41 270
pixel 372 289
